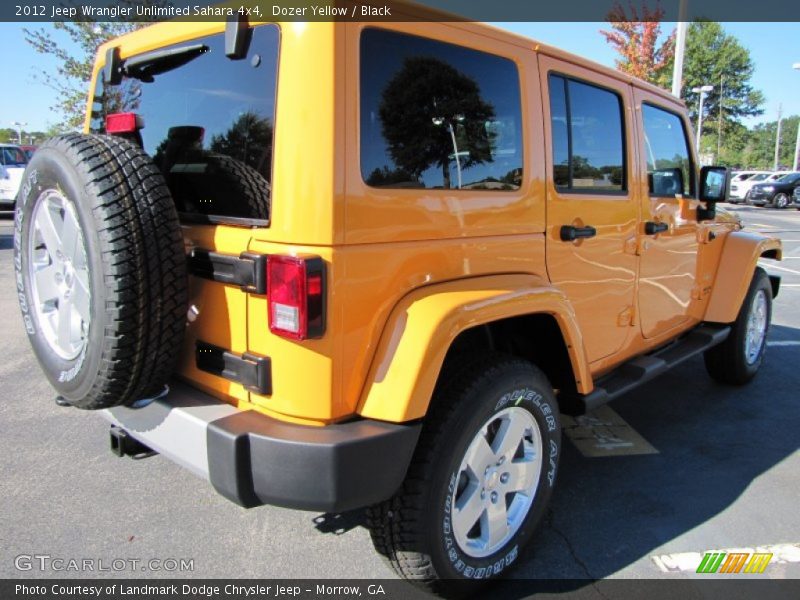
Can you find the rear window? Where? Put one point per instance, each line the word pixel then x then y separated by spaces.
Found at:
pixel 436 115
pixel 12 157
pixel 208 126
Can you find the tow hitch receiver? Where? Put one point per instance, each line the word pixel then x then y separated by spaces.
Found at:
pixel 124 444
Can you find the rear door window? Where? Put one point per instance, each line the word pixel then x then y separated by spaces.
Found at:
pixel 588 137
pixel 208 125
pixel 437 115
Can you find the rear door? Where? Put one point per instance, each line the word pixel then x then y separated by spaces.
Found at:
pixel 669 246
pixel 592 213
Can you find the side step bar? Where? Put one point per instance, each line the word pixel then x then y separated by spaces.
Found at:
pixel 642 369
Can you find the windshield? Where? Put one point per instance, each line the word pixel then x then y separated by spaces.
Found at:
pixel 12 157
pixel 759 177
pixel 789 178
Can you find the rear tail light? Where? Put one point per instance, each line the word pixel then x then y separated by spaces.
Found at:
pixel 296 296
pixel 128 122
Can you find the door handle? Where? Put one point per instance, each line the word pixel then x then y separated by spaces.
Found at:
pixel 652 227
pixel 570 233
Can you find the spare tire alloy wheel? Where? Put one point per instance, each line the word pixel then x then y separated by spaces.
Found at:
pixel 100 270
pixel 59 274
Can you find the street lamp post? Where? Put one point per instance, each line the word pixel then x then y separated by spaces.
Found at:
pixel 796 166
pixel 439 121
pixel 19 127
pixel 702 90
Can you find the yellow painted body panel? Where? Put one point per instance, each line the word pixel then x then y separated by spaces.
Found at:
pixel 218 312
pixel 407 270
pixel 425 323
pixel 738 261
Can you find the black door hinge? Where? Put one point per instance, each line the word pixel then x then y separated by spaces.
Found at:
pixel 248 271
pixel 254 372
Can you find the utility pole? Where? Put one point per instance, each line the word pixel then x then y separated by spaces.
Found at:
pixel 680 46
pixel 719 123
pixel 702 90
pixel 778 139
pixel 796 165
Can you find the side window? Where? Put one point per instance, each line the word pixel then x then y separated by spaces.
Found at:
pixel 436 115
pixel 669 163
pixel 588 137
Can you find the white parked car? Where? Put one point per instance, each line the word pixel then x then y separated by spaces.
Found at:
pixel 740 187
pixel 12 165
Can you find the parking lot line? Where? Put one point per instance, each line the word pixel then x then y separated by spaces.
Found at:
pixel 783 343
pixel 772 266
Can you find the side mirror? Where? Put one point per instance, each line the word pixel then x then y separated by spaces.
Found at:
pixel 665 182
pixel 714 187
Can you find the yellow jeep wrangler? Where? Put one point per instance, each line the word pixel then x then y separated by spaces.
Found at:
pixel 339 265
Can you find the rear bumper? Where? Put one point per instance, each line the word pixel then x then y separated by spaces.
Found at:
pixel 253 459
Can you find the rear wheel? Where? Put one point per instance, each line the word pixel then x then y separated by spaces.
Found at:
pixel 101 272
pixel 736 360
pixel 481 477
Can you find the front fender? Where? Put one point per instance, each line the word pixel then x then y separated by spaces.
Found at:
pixel 735 271
pixel 425 322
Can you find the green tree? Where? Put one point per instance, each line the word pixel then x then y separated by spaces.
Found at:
pixel 249 140
pixel 759 149
pixel 9 136
pixel 418 107
pixel 716 58
pixel 72 75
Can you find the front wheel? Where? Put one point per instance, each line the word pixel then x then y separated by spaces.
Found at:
pixel 481 477
pixel 736 360
pixel 781 201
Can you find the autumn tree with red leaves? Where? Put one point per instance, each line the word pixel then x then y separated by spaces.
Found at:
pixel 635 37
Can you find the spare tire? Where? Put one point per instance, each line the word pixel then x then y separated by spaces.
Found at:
pixel 100 270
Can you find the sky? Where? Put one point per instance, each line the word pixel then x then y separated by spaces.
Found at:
pixel 28 101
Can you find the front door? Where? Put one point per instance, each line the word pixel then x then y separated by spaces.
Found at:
pixel 669 244
pixel 592 213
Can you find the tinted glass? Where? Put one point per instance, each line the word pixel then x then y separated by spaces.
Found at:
pixel 588 137
pixel 669 166
pixel 788 178
pixel 597 141
pixel 435 115
pixel 558 121
pixel 208 125
pixel 12 157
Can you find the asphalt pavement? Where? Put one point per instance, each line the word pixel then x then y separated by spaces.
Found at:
pixel 724 475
